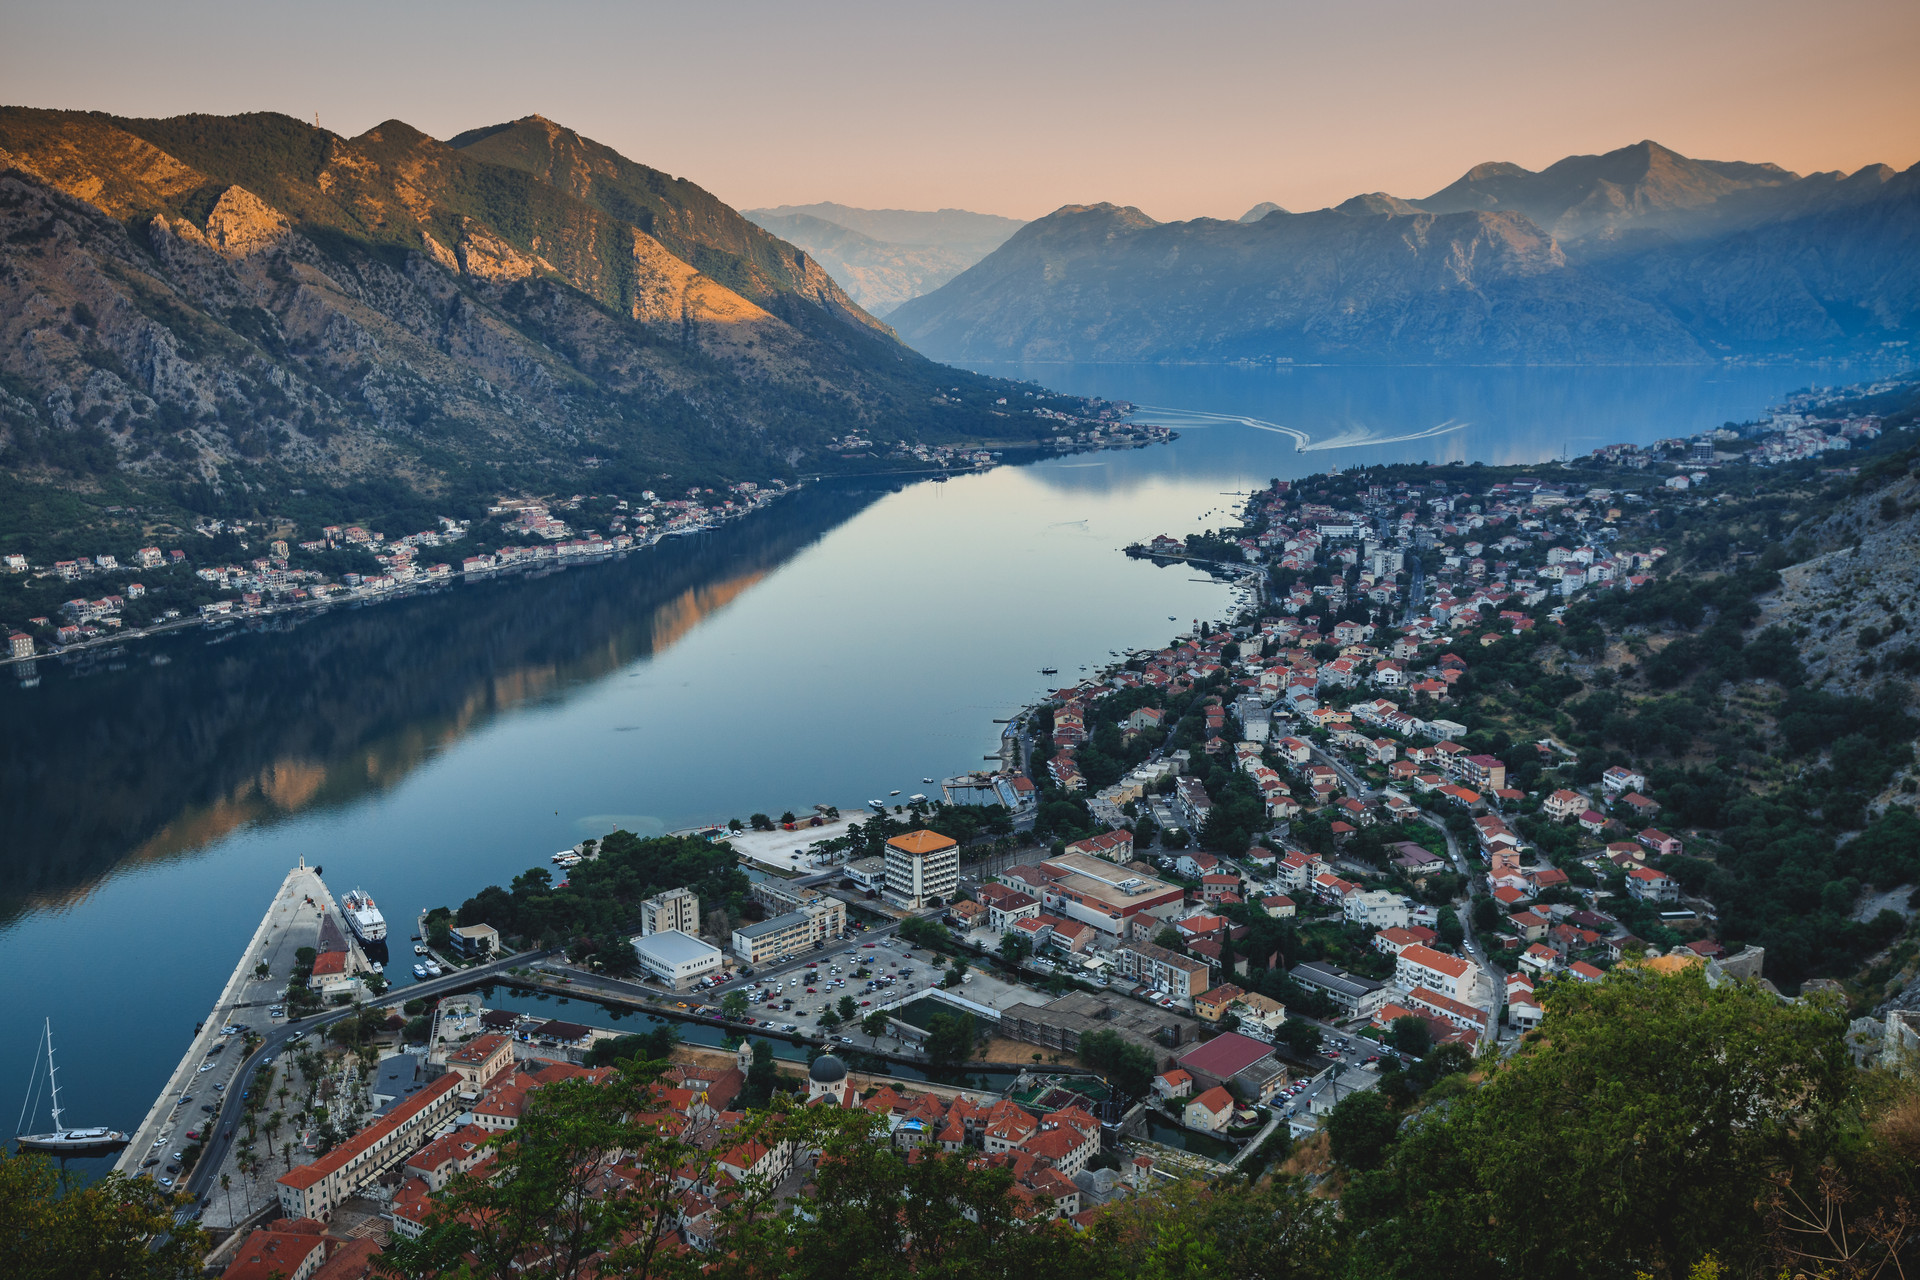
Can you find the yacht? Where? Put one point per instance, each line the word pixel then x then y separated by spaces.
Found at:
pixel 363 917
pixel 63 1141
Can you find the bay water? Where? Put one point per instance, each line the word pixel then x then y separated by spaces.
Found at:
pixel 850 641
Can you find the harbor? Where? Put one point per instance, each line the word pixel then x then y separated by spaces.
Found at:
pixel 301 911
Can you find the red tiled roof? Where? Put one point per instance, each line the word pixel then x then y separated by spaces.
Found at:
pixel 308 1174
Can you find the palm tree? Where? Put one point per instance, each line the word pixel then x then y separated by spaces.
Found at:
pixel 226 1185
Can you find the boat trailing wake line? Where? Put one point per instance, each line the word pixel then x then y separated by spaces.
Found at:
pixel 1303 442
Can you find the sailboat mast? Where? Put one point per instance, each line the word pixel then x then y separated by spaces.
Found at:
pixel 52 1079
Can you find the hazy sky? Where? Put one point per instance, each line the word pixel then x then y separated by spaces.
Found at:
pixel 1182 109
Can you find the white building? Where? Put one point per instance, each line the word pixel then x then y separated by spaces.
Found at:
pixel 676 909
pixel 1450 976
pixel 1378 909
pixel 921 866
pixel 676 957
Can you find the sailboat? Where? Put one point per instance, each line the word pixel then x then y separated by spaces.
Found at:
pixel 63 1141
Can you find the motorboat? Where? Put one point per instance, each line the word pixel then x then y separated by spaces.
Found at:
pixel 419 971
pixel 62 1141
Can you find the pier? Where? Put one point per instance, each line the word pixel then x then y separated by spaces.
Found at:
pixel 292 920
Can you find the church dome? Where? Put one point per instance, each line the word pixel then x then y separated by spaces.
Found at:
pixel 827 1069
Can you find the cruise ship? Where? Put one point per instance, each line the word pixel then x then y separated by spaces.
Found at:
pixel 363 917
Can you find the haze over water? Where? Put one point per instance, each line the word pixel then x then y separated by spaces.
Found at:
pixel 852 640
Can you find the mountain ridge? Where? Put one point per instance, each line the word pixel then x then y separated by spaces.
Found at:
pixel 216 315
pixel 885 256
pixel 1657 258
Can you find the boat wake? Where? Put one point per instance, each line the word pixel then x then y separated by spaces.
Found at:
pixel 1303 441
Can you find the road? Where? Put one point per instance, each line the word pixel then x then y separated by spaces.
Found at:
pixel 1496 981
pixel 275 1040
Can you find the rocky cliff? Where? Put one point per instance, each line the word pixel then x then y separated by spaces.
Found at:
pixel 223 312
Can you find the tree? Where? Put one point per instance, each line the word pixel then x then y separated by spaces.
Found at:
pixel 57 1227
pixel 1014 947
pixel 1652 1090
pixel 875 1024
pixel 1410 1035
pixel 1301 1036
pixel 849 1008
pixel 829 1020
pixel 538 1200
pixel 734 1005
pixel 1360 1129
pixel 950 1039
pixel 1127 1066
pixel 720 925
pixel 1450 929
pixel 648 1046
pixel 734 824
pixel 761 822
pixel 957 974
pixel 763 1076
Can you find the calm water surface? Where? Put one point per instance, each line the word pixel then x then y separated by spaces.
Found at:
pixel 850 641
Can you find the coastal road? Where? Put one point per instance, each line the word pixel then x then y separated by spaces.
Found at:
pixel 275 1041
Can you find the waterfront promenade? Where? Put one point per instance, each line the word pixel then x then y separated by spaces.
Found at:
pixel 292 920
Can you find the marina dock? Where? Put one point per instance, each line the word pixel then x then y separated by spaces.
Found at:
pixel 292 920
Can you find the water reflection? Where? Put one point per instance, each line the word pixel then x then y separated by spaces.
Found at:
pixel 126 761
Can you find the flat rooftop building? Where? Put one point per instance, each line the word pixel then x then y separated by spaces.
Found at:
pixel 677 959
pixel 1096 892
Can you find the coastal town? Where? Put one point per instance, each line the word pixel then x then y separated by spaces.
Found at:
pixel 1297 863
pixel 223 572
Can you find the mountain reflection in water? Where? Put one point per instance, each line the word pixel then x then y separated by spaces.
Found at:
pixel 142 762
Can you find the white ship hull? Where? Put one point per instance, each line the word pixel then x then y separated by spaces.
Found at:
pixel 363 917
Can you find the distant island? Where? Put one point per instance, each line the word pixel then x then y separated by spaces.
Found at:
pixel 1640 255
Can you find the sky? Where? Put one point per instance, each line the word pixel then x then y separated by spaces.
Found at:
pixel 1187 110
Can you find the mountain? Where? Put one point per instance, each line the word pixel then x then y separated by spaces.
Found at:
pixel 1358 283
pixel 1260 211
pixel 211 315
pixel 877 275
pixel 1644 185
pixel 884 256
pixel 949 228
pixel 1640 254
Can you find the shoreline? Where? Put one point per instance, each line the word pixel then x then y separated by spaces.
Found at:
pixel 538 564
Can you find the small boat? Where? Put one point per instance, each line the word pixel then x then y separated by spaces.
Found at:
pixel 1171 618
pixel 419 971
pixel 894 792
pixel 377 966
pixel 1049 671
pixel 420 950
pixel 434 970
pixel 926 780
pixel 63 1141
